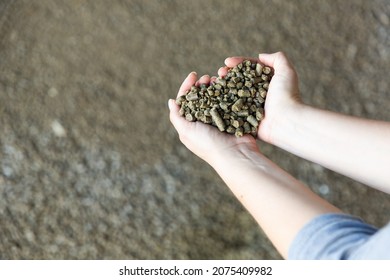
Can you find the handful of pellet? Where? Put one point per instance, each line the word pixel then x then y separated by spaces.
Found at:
pixel 234 103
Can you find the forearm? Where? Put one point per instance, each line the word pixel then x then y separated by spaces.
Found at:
pixel 357 148
pixel 279 203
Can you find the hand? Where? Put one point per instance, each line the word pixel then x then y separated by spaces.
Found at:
pixel 283 93
pixel 204 140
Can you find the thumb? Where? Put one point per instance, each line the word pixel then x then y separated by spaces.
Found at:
pixel 178 122
pixel 278 61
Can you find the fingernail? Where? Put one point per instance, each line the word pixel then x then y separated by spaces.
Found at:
pixel 169 104
pixel 193 72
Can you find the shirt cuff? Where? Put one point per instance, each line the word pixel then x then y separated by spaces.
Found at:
pixel 330 236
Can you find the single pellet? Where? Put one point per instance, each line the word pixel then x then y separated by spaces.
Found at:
pixel 244 93
pixel 259 69
pixel 230 129
pixel 239 132
pixel 217 119
pixel 243 113
pixel 267 70
pixel 238 105
pixel 252 120
pixel 190 117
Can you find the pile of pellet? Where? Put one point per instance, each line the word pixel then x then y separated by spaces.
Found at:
pixel 233 103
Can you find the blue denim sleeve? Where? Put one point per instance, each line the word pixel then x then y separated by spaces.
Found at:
pixel 340 236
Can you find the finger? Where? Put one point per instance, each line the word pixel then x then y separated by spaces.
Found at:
pixel 268 59
pixel 212 79
pixel 222 72
pixel 234 60
pixel 278 61
pixel 187 83
pixel 205 79
pixel 185 129
pixel 178 122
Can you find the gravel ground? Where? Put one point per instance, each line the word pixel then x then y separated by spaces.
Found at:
pixel 90 167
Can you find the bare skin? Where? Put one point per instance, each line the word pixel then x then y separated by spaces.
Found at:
pixel 267 191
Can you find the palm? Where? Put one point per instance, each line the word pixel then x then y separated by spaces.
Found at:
pixel 202 139
pixel 206 140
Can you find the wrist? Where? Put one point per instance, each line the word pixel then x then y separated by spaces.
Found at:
pixel 235 158
pixel 282 128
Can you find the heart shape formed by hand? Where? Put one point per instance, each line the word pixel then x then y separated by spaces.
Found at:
pixel 233 103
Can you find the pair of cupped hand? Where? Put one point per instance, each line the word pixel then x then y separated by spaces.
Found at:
pixel 207 141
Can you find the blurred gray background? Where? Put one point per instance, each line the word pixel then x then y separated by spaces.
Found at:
pixel 91 168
